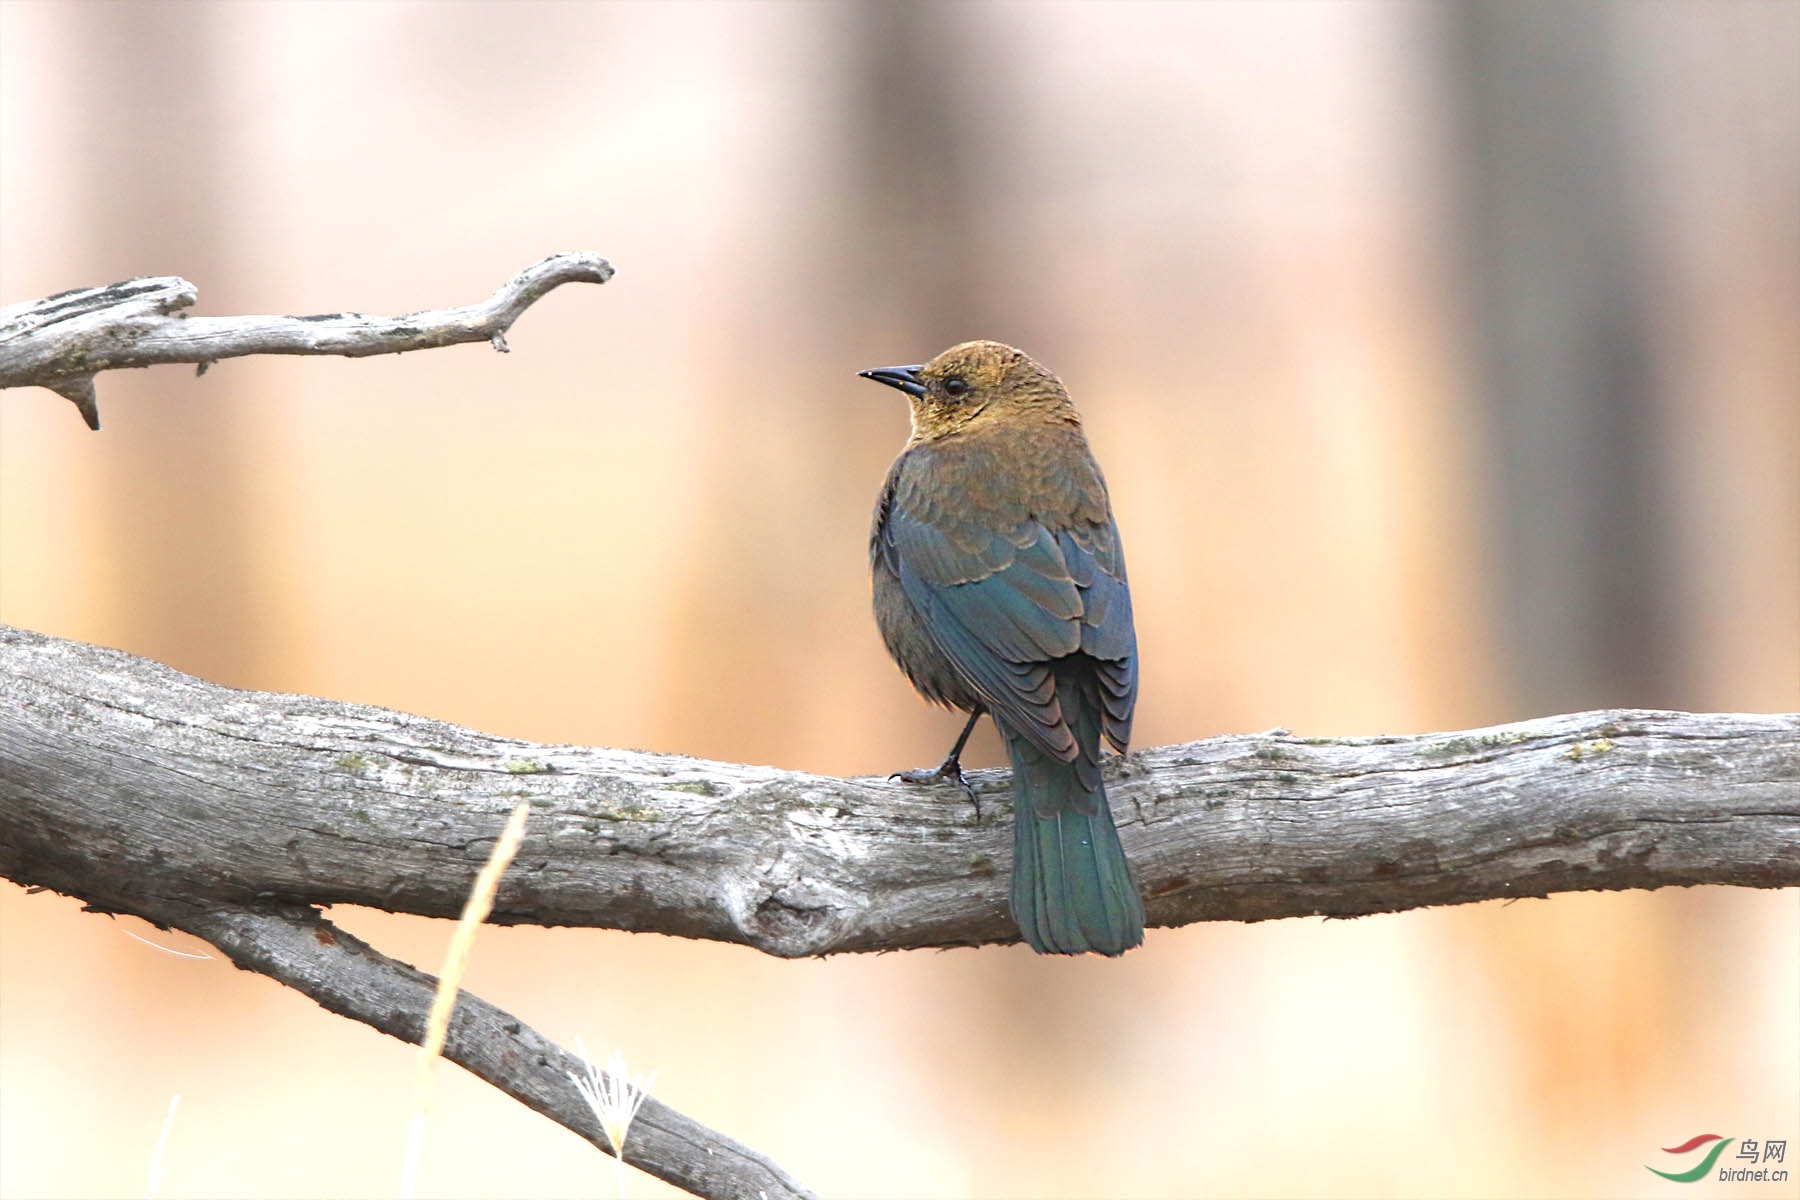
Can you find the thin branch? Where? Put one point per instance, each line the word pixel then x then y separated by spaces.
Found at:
pixel 347 976
pixel 131 785
pixel 63 341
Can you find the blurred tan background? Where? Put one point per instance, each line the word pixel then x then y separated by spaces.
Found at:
pixel 1444 364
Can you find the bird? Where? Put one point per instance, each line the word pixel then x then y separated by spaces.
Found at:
pixel 999 589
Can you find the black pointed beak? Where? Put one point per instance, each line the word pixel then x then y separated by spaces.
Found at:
pixel 905 378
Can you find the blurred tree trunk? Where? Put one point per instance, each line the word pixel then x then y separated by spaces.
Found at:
pixel 153 144
pixel 1582 544
pixel 907 252
pixel 916 190
pixel 1555 322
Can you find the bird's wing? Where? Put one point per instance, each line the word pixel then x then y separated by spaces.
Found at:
pixel 1097 565
pixel 1001 605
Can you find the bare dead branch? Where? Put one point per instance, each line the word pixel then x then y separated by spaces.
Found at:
pixel 306 952
pixel 233 814
pixel 63 341
pixel 131 785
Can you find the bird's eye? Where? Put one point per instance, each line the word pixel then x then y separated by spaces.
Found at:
pixel 955 386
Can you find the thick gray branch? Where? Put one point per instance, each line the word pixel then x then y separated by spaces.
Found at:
pixel 63 341
pixel 349 977
pixel 131 786
pixel 232 814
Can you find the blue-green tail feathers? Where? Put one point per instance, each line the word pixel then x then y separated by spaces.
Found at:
pixel 1072 890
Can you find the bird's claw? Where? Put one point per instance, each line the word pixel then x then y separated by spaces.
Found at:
pixel 949 772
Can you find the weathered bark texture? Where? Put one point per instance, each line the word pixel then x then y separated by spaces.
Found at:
pixel 63 341
pixel 141 789
pixel 232 814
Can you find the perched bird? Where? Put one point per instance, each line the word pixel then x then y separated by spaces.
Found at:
pixel 1000 589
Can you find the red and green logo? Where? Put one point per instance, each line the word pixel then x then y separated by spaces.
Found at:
pixel 1705 1165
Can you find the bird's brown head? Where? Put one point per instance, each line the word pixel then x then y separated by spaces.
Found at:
pixel 975 382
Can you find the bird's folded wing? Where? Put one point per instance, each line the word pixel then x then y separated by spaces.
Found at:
pixel 1002 605
pixel 1097 565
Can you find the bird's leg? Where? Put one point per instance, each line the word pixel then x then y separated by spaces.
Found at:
pixel 950 770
